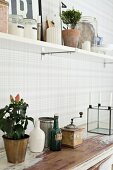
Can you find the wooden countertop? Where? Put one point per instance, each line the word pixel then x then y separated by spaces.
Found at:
pixel 84 156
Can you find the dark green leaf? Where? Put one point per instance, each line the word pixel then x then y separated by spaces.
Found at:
pixel 31 119
pixel 26 123
pixel 19 131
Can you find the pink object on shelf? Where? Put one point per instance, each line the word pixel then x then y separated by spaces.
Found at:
pixel 3 16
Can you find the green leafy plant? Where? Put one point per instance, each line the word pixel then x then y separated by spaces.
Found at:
pixel 71 17
pixel 13 119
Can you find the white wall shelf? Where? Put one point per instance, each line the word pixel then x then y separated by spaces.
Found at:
pixel 16 43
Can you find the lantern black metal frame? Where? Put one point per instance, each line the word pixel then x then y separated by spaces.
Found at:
pixel 98 129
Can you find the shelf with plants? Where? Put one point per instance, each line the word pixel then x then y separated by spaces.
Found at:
pixel 16 43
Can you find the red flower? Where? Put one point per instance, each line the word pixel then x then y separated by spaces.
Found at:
pixel 17 98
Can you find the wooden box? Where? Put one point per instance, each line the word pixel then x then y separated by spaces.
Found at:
pixel 72 137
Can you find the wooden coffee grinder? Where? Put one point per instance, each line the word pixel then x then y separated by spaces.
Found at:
pixel 71 134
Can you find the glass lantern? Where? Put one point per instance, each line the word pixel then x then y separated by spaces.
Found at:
pixel 88 31
pixel 100 120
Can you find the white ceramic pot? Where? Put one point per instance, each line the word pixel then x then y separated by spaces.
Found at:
pixel 37 138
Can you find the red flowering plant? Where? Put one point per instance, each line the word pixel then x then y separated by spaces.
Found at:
pixel 13 119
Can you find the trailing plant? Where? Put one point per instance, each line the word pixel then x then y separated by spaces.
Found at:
pixel 71 17
pixel 13 119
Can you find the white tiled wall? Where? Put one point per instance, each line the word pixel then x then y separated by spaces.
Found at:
pixel 55 84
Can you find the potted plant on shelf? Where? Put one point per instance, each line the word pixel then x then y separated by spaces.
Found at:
pixel 13 122
pixel 71 34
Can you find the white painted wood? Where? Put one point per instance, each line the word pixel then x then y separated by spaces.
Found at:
pixel 107 164
pixel 94 160
pixel 44 47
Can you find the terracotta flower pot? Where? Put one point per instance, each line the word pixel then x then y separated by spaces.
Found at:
pixel 71 37
pixel 15 149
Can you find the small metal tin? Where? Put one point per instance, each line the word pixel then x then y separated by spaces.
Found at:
pixel 46 124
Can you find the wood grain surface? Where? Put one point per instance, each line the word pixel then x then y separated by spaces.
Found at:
pixel 68 158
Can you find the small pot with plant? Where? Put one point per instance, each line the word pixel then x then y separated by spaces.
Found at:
pixel 71 34
pixel 13 122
